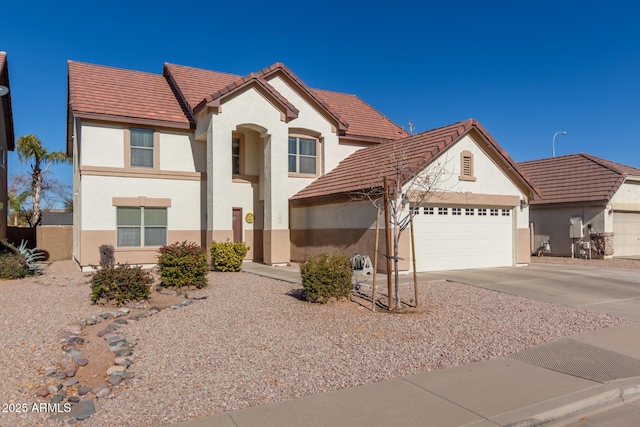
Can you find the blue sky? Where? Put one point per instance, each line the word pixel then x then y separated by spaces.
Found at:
pixel 524 69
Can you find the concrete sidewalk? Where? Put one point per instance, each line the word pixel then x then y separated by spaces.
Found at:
pixel 559 381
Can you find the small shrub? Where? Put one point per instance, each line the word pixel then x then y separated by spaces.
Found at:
pixel 121 283
pixel 14 262
pixel 183 264
pixel 228 256
pixel 13 266
pixel 325 276
pixel 107 257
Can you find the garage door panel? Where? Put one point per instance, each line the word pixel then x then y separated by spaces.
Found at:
pixel 626 233
pixel 448 242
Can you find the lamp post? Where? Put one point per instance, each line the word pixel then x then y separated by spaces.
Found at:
pixel 553 142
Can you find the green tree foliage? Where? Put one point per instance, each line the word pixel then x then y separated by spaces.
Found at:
pixel 30 151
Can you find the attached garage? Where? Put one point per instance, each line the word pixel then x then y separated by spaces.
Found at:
pixel 626 233
pixel 469 201
pixel 451 238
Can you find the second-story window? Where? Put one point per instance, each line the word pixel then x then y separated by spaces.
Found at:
pixel 302 155
pixel 141 148
pixel 235 156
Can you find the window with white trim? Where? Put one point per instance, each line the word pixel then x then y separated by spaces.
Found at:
pixel 456 211
pixel 141 226
pixel 303 157
pixel 141 142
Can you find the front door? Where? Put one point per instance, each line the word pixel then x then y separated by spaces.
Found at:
pixel 237 224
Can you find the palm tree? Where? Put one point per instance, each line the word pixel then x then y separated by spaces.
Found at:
pixel 30 150
pixel 15 203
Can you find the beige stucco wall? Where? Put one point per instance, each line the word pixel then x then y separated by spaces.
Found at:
pixel 552 224
pixel 181 152
pixel 628 196
pixel 100 214
pixel 3 175
pixel 102 145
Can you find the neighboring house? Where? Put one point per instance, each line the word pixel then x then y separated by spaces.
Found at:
pixel 477 217
pixel 601 198
pixel 200 155
pixel 7 140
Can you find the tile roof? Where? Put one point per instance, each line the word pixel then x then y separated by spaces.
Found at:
pixel 108 93
pixel 358 119
pixel 364 169
pixel 576 178
pixel 6 102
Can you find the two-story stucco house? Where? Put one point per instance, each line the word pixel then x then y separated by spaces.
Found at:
pixel 198 155
pixel 7 139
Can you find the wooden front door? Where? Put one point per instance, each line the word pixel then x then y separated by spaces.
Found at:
pixel 237 224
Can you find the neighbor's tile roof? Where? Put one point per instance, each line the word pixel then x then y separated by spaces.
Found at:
pixel 100 92
pixel 576 178
pixel 365 169
pixel 6 102
pixel 359 118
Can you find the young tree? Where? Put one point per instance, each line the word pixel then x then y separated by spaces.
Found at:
pixel 30 150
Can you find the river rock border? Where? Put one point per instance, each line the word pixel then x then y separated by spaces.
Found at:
pixel 63 386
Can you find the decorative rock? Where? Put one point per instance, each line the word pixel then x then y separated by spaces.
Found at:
pixel 104 392
pixel 50 370
pixel 82 390
pixel 119 322
pixel 116 370
pixel 62 393
pixel 114 339
pixel 81 322
pixel 128 375
pixel 75 329
pixel 79 361
pixel 98 387
pixel 52 389
pixel 93 320
pixel 106 315
pixel 76 340
pixel 124 310
pixel 59 375
pixel 115 379
pixel 43 392
pixel 57 398
pixel 124 352
pixel 69 383
pixel 73 353
pixel 191 295
pixel 123 361
pixel 73 399
pixel 103 332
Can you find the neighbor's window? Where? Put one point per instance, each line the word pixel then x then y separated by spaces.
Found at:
pixel 141 141
pixel 302 155
pixel 235 156
pixel 141 226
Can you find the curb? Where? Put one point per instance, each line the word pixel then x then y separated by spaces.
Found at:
pixel 629 391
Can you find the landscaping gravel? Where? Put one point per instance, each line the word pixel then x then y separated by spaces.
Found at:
pixel 253 341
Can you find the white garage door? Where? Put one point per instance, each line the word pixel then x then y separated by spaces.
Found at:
pixel 452 238
pixel 626 233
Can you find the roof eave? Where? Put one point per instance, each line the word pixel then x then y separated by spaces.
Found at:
pixel 6 107
pixel 132 120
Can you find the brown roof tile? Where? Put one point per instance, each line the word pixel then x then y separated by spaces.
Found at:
pixel 358 118
pixel 6 102
pixel 364 120
pixel 96 91
pixel 576 178
pixel 364 169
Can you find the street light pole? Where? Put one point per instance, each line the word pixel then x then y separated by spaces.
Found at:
pixel 553 142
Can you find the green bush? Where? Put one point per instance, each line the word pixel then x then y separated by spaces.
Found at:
pixel 325 276
pixel 121 283
pixel 183 264
pixel 13 266
pixel 228 256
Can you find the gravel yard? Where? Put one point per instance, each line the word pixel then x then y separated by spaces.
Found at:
pixel 252 341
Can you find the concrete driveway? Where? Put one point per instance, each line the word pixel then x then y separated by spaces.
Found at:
pixel 607 290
